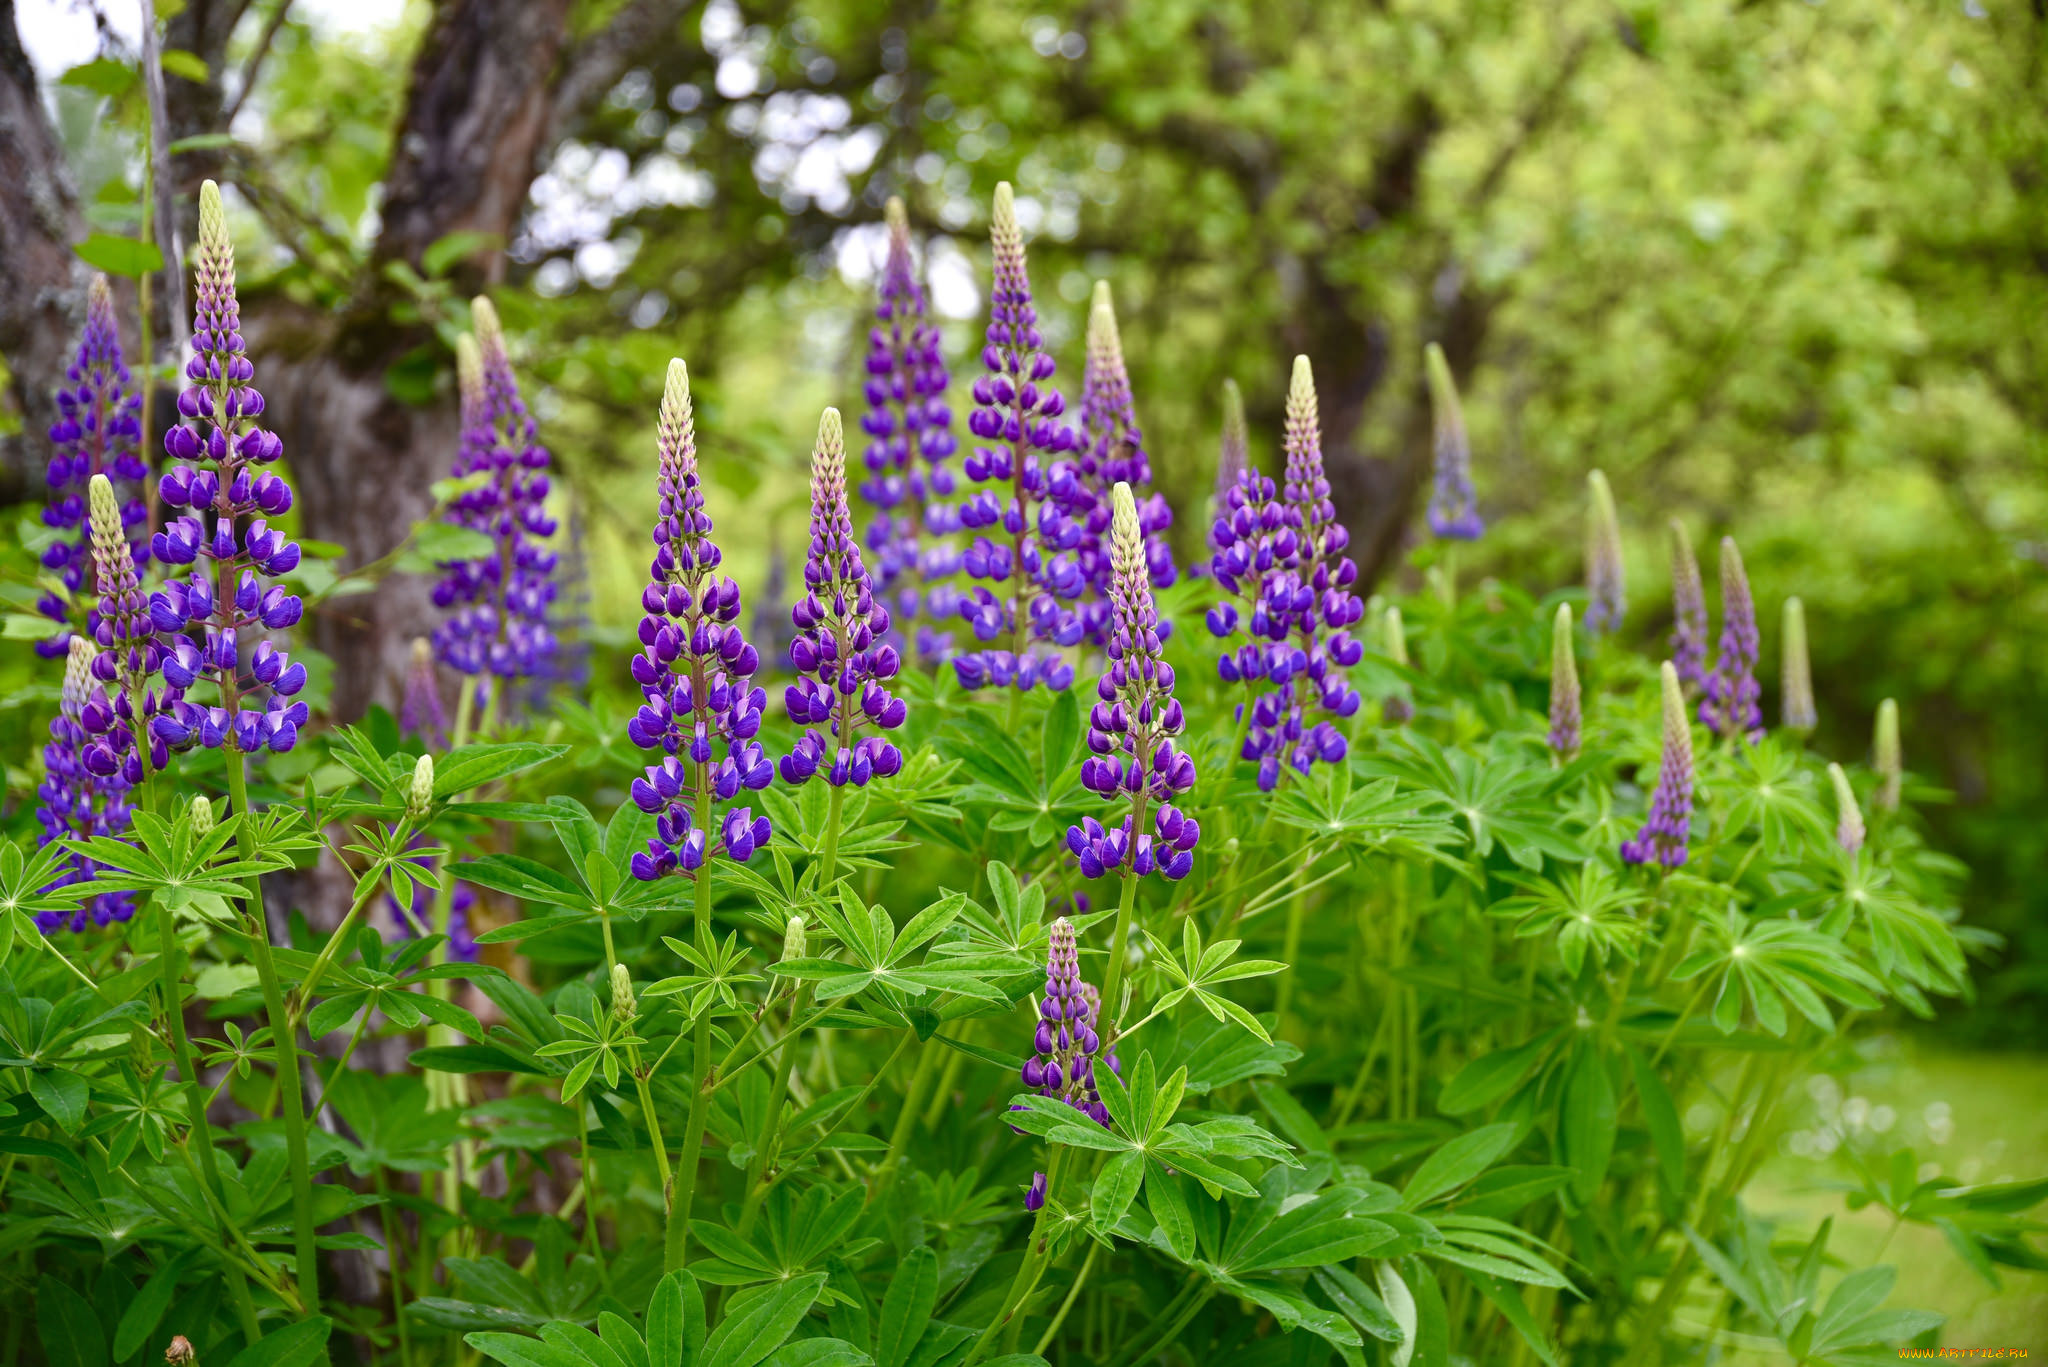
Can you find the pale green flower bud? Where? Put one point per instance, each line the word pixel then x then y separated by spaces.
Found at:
pixel 1885 755
pixel 794 943
pixel 420 799
pixel 1796 708
pixel 202 816
pixel 1849 817
pixel 623 1005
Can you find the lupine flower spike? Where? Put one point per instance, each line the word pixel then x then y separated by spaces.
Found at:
pixel 1257 545
pixel 1397 707
pixel 97 432
pixel 1112 452
pixel 1732 706
pixel 1453 507
pixel 910 439
pixel 228 504
pixel 1065 1043
pixel 499 624
pixel 1663 837
pixel 1134 761
pixel 1796 710
pixel 1564 686
pixel 421 713
pixel 1233 452
pixel 1030 570
pixel 77 803
pixel 129 655
pixel 696 674
pixel 1886 757
pixel 841 653
pixel 1848 816
pixel 1606 591
pixel 1688 612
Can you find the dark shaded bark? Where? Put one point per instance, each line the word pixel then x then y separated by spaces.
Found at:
pixel 42 284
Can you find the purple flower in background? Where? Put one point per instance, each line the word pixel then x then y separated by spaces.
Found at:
pixel 129 655
pixel 1034 1198
pixel 1453 507
pixel 1733 703
pixel 1849 832
pixel 842 655
pixel 98 432
pixel 1663 837
pixel 696 674
pixel 910 431
pixel 421 713
pixel 1133 759
pixel 1112 452
pixel 225 605
pixel 1688 612
pixel 1606 587
pixel 499 603
pixel 1030 567
pixel 77 803
pixel 1564 686
pixel 1233 451
pixel 1065 1042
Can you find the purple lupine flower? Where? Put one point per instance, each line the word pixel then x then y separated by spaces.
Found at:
pixel 421 713
pixel 78 804
pixel 1796 711
pixel 1257 547
pixel 1065 1043
pixel 1453 507
pixel 225 603
pixel 1606 587
pixel 1133 759
pixel 696 674
pixel 1849 831
pixel 1663 837
pixel 97 432
pixel 1112 452
pixel 129 655
pixel 1034 1196
pixel 910 430
pixel 842 655
pixel 499 628
pixel 1688 612
pixel 1564 686
pixel 1033 577
pixel 1233 449
pixel 1733 702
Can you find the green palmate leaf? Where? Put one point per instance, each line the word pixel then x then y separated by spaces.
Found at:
pixel 295 1345
pixel 1660 1116
pixel 750 1333
pixel 123 256
pixel 1489 1077
pixel 907 1308
pixel 1586 1126
pixel 146 1311
pixel 1115 1188
pixel 1457 1162
pixel 473 765
pixel 516 1350
pixel 68 1326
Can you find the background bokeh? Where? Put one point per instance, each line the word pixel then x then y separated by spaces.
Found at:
pixel 1780 268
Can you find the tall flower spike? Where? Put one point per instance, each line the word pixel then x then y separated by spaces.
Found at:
pixel 1234 447
pixel 1398 707
pixel 499 627
pixel 1564 686
pixel 1257 543
pixel 1606 591
pixel 97 432
pixel 1848 816
pixel 1065 1044
pixel 77 803
pixel 1662 840
pixel 211 618
pixel 1795 709
pixel 1112 452
pixel 841 653
pixel 129 654
pixel 1688 612
pixel 1886 757
pixel 696 674
pixel 421 713
pixel 1732 706
pixel 1030 568
pixel 1453 507
pixel 910 439
pixel 1133 759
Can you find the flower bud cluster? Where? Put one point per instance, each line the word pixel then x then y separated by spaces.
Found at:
pixel 1564 686
pixel 1453 507
pixel 1733 703
pixel 842 653
pixel 97 432
pixel 1688 612
pixel 1112 452
pixel 1025 550
pixel 910 439
pixel 1662 840
pixel 1066 1043
pixel 700 708
pixel 77 803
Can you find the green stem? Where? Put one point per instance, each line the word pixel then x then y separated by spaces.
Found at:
pixel 1028 1270
pixel 757 1170
pixel 1290 953
pixel 1173 1316
pixel 906 1119
pixel 828 853
pixel 1119 943
pixel 318 970
pixel 676 1237
pixel 1060 1318
pixel 391 1257
pixel 195 1119
pixel 284 1047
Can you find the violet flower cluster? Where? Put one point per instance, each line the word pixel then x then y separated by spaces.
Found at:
pixel 499 603
pixel 129 655
pixel 1066 1045
pixel 1029 581
pixel 910 432
pixel 1688 612
pixel 1564 686
pixel 1453 507
pixel 209 617
pixel 1662 840
pixel 1233 449
pixel 98 432
pixel 1733 703
pixel 1606 584
pixel 76 803
pixel 695 672
pixel 841 653
pixel 1112 452
pixel 1133 759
